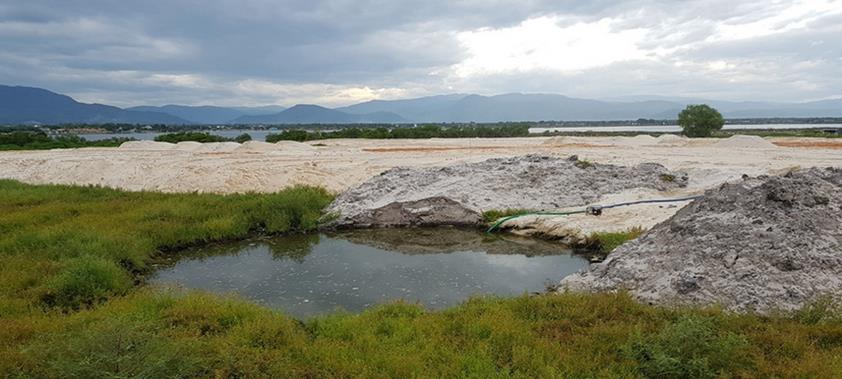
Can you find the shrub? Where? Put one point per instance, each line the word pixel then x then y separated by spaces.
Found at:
pixel 37 140
pixel 667 178
pixel 423 131
pixel 583 164
pixel 288 135
pixel 700 120
pixel 242 138
pixel 690 347
pixel 190 136
pixel 85 281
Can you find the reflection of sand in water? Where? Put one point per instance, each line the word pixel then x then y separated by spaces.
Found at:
pixel 448 240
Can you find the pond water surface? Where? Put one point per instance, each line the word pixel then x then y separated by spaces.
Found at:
pixel 306 275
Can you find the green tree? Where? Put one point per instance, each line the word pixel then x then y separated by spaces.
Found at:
pixel 700 120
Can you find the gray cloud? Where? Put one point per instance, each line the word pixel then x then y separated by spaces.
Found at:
pixel 340 51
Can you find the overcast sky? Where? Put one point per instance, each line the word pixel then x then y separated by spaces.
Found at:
pixel 337 52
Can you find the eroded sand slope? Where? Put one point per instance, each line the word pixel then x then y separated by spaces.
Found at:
pixel 759 244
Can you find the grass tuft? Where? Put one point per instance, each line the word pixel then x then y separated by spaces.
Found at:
pixel 606 242
pixel 491 216
pixel 669 178
pixel 85 281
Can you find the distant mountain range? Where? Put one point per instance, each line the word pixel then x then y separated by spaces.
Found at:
pixel 27 105
pixel 314 114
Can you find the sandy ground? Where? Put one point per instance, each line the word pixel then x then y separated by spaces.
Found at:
pixel 340 164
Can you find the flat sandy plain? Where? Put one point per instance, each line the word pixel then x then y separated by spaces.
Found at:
pixel 340 164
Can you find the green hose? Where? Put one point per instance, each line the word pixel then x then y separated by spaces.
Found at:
pixel 595 210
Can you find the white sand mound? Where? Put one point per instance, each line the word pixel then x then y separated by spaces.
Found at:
pixel 218 147
pixel 188 146
pixel 257 147
pixel 556 141
pixel 745 142
pixel 147 145
pixel 639 140
pixel 671 140
pixel 292 146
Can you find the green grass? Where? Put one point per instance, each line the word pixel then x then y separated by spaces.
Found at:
pixel 491 216
pixel 73 246
pixel 669 178
pixel 606 242
pixel 71 260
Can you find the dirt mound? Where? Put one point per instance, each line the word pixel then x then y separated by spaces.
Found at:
pixel 458 194
pixel 147 145
pixel 671 140
pixel 188 146
pixel 762 244
pixel 561 140
pixel 293 147
pixel 218 147
pixel 256 147
pixel 638 140
pixel 745 142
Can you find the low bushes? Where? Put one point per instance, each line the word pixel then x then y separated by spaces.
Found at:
pixel 200 137
pixel 85 281
pixel 425 131
pixel 36 140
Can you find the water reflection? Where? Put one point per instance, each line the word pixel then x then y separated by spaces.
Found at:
pixel 310 274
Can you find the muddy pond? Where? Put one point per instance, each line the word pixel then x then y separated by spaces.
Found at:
pixel 307 275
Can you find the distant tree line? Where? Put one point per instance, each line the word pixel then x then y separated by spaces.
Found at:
pixel 425 131
pixel 200 137
pixel 38 140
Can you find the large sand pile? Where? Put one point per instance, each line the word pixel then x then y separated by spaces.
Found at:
pixel 188 146
pixel 671 140
pixel 639 140
pixel 147 145
pixel 256 147
pixel 294 147
pixel 458 194
pixel 745 142
pixel 218 147
pixel 760 244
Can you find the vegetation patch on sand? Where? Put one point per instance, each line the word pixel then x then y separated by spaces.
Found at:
pixel 200 137
pixel 606 242
pixel 489 217
pixel 34 140
pixel 425 131
pixel 71 306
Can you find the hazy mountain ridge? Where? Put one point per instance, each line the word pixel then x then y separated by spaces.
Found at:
pixel 34 105
pixel 209 114
pixel 29 105
pixel 315 114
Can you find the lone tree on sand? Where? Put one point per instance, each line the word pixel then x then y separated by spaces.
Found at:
pixel 700 120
